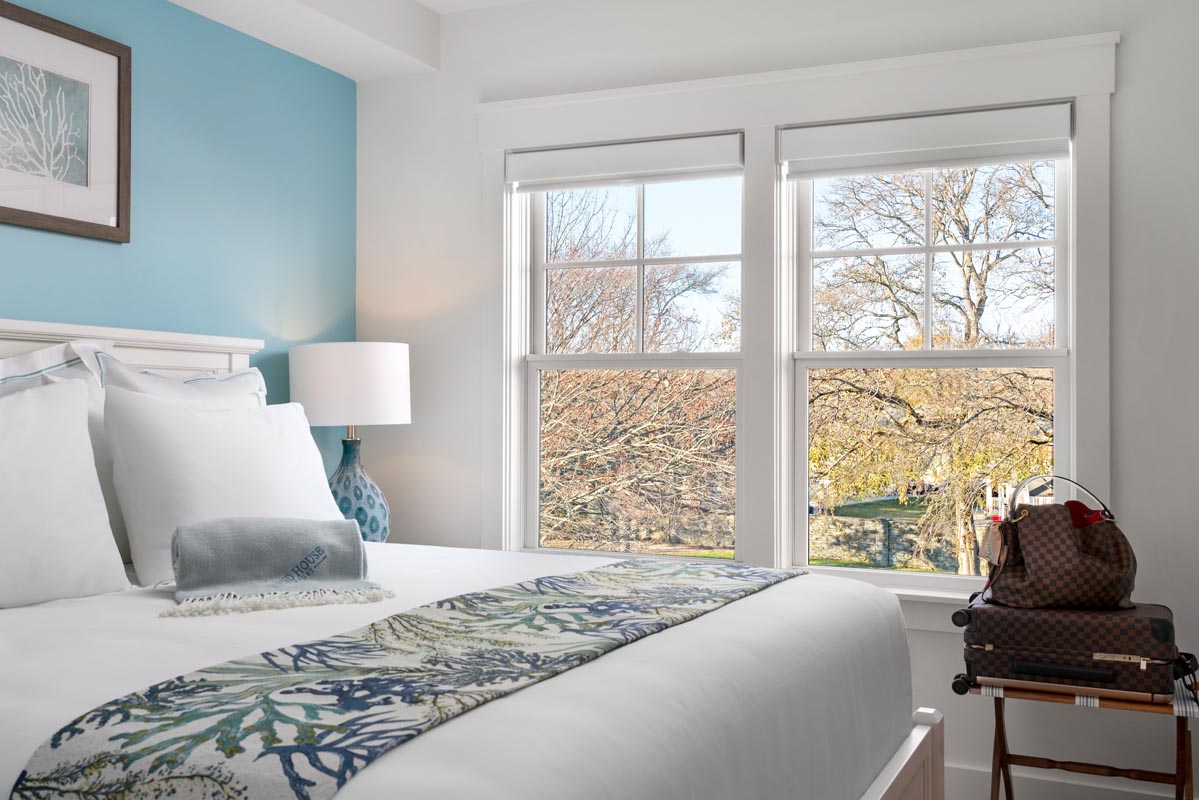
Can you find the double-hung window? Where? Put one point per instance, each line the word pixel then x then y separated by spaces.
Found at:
pixel 932 356
pixel 635 281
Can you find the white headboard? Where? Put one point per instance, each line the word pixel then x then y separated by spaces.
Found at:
pixel 153 350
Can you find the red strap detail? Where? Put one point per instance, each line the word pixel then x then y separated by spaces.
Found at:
pixel 1082 516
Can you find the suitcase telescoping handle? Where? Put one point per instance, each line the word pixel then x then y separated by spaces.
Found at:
pixel 1024 484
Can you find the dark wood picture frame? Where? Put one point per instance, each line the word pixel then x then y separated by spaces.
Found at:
pixel 124 55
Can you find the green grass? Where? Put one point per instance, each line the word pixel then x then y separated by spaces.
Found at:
pixel 911 511
pixel 729 554
pixel 689 551
pixel 838 562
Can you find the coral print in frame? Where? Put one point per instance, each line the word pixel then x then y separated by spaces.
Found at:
pixel 64 127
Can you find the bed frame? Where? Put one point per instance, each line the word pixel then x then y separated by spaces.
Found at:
pixel 915 772
pixel 168 353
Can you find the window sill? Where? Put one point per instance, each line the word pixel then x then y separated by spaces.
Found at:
pixel 915 586
pixel 952 597
pixel 931 355
pixel 925 610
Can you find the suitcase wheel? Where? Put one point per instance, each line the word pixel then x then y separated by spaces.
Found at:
pixel 961 617
pixel 961 684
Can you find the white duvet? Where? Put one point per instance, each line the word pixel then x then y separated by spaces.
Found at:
pixel 800 691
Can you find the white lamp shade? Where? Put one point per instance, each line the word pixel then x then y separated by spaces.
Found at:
pixel 352 383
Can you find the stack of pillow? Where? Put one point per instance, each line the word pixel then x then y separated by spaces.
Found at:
pixel 100 462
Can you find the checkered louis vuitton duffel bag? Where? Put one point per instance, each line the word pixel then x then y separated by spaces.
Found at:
pixel 1059 555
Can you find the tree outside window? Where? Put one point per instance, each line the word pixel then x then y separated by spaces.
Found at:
pixel 905 466
pixel 639 460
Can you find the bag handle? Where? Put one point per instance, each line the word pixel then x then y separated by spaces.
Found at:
pixel 1024 485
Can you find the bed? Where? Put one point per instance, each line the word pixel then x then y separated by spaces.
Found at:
pixel 800 691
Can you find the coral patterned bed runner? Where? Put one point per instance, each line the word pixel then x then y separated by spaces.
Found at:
pixel 302 720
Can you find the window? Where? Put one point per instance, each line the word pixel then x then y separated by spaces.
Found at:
pixel 633 374
pixel 855 378
pixel 932 361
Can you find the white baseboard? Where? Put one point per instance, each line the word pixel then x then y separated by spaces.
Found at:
pixel 965 783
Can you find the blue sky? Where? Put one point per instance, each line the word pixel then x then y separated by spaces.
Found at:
pixel 702 216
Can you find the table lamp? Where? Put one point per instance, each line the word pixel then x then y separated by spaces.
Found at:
pixel 351 384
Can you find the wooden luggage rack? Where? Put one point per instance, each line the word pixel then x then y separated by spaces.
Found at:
pixel 1003 760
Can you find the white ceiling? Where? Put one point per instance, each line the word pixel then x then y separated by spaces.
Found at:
pixel 361 39
pixel 454 6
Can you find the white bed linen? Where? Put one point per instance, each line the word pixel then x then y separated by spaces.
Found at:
pixel 800 691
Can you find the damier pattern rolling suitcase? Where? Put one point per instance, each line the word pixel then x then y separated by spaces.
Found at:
pixel 1121 653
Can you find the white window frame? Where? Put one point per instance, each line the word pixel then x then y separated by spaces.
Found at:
pixel 1078 69
pixel 1059 358
pixel 538 359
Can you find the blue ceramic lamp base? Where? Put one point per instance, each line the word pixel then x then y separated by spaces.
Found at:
pixel 358 497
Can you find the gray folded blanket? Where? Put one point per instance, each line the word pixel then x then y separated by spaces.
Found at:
pixel 226 566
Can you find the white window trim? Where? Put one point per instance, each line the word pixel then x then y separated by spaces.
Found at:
pixel 1078 69
pixel 682 158
pixel 911 142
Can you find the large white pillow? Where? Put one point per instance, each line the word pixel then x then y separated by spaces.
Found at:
pixel 175 464
pixel 73 361
pixel 53 524
pixel 245 389
pixel 242 389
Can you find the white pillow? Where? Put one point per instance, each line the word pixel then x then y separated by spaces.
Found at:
pixel 243 389
pixel 53 524
pixel 175 465
pixel 68 360
pixel 79 360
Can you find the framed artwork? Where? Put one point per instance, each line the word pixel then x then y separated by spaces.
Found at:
pixel 64 127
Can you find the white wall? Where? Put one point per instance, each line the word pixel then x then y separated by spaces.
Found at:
pixel 425 271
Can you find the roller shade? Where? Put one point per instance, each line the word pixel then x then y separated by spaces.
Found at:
pixel 918 142
pixel 538 170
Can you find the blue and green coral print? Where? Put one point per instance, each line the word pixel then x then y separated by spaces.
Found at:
pixel 358 497
pixel 302 720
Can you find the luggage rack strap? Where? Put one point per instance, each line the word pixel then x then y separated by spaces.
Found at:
pixel 1185 703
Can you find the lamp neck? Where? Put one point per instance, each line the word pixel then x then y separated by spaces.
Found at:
pixel 351 455
pixel 350 432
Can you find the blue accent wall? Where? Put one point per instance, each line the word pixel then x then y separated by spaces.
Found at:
pixel 243 201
